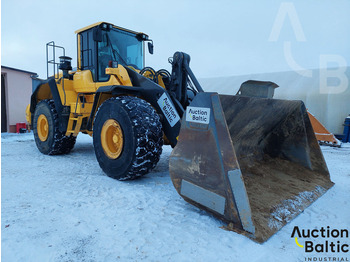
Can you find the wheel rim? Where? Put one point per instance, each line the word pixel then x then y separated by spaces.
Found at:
pixel 112 139
pixel 42 127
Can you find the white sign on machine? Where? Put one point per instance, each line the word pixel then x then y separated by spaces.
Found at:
pixel 168 109
pixel 198 114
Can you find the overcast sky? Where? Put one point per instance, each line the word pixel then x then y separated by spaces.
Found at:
pixel 223 38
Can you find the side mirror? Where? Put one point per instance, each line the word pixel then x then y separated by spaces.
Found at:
pixel 150 47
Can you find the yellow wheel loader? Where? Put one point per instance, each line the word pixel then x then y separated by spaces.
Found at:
pixel 252 162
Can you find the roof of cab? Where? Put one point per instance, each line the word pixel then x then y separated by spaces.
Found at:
pixel 98 23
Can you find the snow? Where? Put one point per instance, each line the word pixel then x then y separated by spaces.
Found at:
pixel 64 208
pixel 296 205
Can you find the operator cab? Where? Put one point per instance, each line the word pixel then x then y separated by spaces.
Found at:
pixel 103 45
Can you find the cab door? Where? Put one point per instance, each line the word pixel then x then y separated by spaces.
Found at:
pixel 85 78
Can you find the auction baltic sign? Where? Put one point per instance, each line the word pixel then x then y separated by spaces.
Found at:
pixel 325 240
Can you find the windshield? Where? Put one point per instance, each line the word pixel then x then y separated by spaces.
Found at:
pixel 126 49
pixel 121 47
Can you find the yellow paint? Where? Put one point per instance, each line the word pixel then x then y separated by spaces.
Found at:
pixel 296 241
pixel 44 92
pixel 114 26
pixel 82 84
pixel 88 27
pixel 28 115
pixel 165 140
pixel 112 71
pixel 79 53
pixel 160 81
pixel 133 68
pixel 120 73
pixel 150 75
pixel 78 121
pixel 88 132
pixel 112 139
pixel 42 126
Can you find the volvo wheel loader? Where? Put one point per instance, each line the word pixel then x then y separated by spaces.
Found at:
pixel 252 162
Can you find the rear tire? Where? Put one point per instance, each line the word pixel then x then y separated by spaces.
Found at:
pixel 48 138
pixel 127 137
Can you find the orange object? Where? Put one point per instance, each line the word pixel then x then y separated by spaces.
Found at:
pixel 322 134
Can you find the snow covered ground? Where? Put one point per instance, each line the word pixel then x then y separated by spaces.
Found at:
pixel 64 208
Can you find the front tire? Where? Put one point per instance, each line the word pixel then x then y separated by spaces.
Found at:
pixel 127 137
pixel 48 138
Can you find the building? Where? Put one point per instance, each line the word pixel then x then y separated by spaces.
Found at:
pixel 329 105
pixel 16 89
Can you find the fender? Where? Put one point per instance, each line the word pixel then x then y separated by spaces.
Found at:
pixel 144 89
pixel 47 89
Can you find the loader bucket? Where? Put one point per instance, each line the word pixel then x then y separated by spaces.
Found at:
pixel 252 162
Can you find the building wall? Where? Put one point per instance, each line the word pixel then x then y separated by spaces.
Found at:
pixel 18 89
pixel 329 108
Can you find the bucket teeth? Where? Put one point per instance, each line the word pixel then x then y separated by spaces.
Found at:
pixel 254 163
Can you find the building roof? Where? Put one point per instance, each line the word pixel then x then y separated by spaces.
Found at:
pixel 19 70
